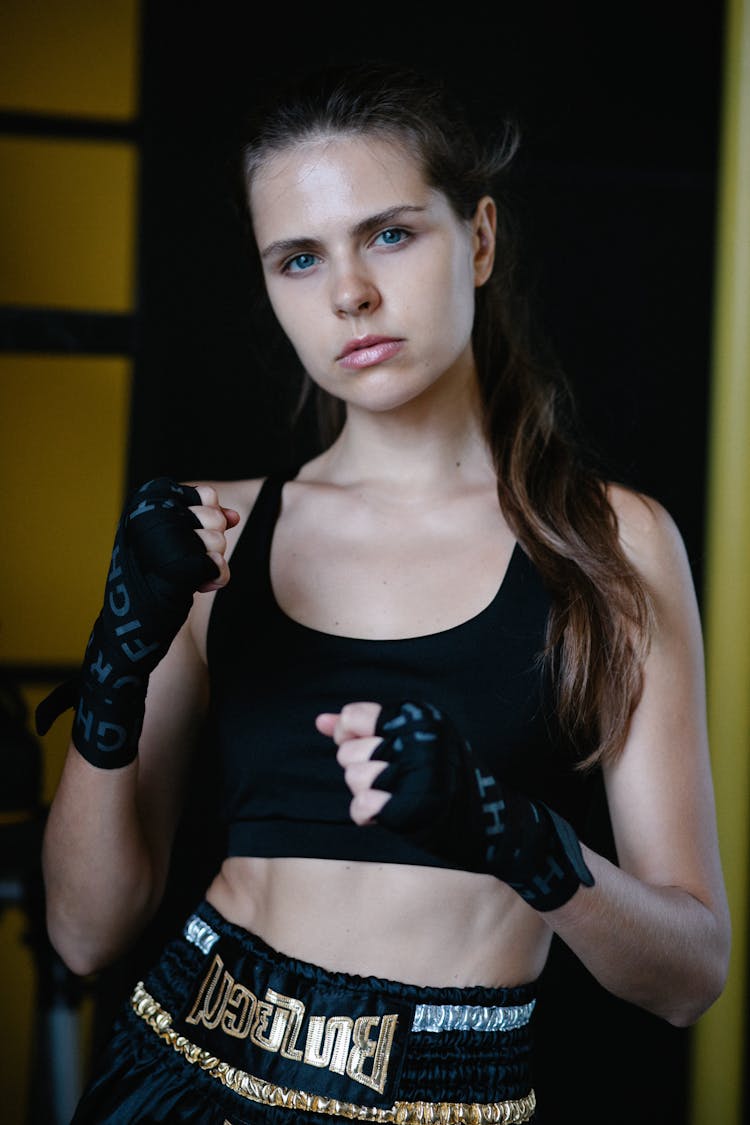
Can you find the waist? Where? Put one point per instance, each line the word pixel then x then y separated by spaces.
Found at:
pixel 280 1031
pixel 426 926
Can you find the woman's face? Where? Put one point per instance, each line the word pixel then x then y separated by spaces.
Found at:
pixel 370 272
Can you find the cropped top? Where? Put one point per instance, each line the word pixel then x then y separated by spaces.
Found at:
pixel 283 792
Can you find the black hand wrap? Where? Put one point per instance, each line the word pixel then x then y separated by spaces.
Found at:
pixel 157 564
pixel 448 803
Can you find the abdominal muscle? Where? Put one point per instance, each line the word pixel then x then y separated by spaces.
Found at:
pixel 418 925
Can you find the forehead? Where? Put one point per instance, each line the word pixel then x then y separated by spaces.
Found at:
pixel 343 178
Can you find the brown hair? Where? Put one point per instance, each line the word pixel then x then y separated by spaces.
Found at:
pixel 600 624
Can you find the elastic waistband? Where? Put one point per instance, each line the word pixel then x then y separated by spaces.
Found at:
pixel 206 922
pixel 427 1017
pixel 284 1032
pixel 512 1111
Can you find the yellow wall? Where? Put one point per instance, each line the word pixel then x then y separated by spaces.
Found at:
pixel 77 57
pixel 67 241
pixel 721 1051
pixel 66 223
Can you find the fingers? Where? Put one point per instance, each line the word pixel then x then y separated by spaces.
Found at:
pixel 221 578
pixel 212 515
pixel 210 499
pixel 352 729
pixel 355 720
pixel 360 775
pixel 215 520
pixel 366 806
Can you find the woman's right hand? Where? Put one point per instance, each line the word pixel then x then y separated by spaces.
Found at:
pixel 215 520
pixel 170 543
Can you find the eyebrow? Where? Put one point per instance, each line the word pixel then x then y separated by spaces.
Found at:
pixel 383 218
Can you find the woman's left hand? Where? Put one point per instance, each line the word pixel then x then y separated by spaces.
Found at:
pixel 353 731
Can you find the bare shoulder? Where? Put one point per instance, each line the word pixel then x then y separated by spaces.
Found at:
pixel 653 543
pixel 649 534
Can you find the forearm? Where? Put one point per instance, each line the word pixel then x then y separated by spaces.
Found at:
pixel 656 945
pixel 660 948
pixel 102 879
pixel 109 832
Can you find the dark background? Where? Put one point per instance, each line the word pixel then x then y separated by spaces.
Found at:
pixel 615 187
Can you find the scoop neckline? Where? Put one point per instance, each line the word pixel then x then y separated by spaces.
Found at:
pixel 292 622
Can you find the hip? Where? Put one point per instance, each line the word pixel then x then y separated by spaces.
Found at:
pixel 227 1029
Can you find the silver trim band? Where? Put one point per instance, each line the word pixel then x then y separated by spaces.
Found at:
pixel 468 1017
pixel 200 933
pixel 427 1017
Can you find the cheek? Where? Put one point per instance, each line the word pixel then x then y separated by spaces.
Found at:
pixel 451 300
pixel 280 306
pixel 292 314
pixel 302 323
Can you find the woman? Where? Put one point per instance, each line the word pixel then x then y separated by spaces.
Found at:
pixel 432 637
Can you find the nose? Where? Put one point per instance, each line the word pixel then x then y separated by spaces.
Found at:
pixel 354 294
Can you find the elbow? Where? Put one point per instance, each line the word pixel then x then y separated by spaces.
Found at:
pixel 90 931
pixel 696 1005
pixel 86 943
pixel 706 986
pixel 692 1007
pixel 82 956
pixel 80 962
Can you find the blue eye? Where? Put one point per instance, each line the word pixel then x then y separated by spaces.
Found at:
pixel 393 236
pixel 300 263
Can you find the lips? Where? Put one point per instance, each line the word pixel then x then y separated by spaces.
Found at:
pixel 368 351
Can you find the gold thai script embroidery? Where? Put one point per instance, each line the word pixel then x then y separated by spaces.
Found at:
pixel 366 1048
pixel 358 1047
pixel 238 1011
pixel 335 1033
pixel 267 1030
pixel 208 1005
pixel 291 1013
pixel 514 1111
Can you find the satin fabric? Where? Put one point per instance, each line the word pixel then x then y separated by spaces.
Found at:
pixel 141 1079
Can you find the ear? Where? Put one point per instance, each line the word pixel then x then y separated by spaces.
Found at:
pixel 484 228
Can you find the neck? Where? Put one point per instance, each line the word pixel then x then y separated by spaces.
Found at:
pixel 429 442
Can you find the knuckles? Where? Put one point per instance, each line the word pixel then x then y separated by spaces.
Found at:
pixel 366 806
pixel 176 531
pixel 355 751
pixel 212 519
pixel 356 742
pixel 208 494
pixel 213 539
pixel 357 719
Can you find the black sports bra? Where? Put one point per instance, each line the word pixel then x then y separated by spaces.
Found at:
pixel 283 791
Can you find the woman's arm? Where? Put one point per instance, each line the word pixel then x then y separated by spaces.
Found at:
pixel 655 929
pixel 109 832
pixel 108 835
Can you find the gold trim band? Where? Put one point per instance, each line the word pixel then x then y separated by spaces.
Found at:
pixel 511 1112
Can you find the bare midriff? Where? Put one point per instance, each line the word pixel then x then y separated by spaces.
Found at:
pixel 418 925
